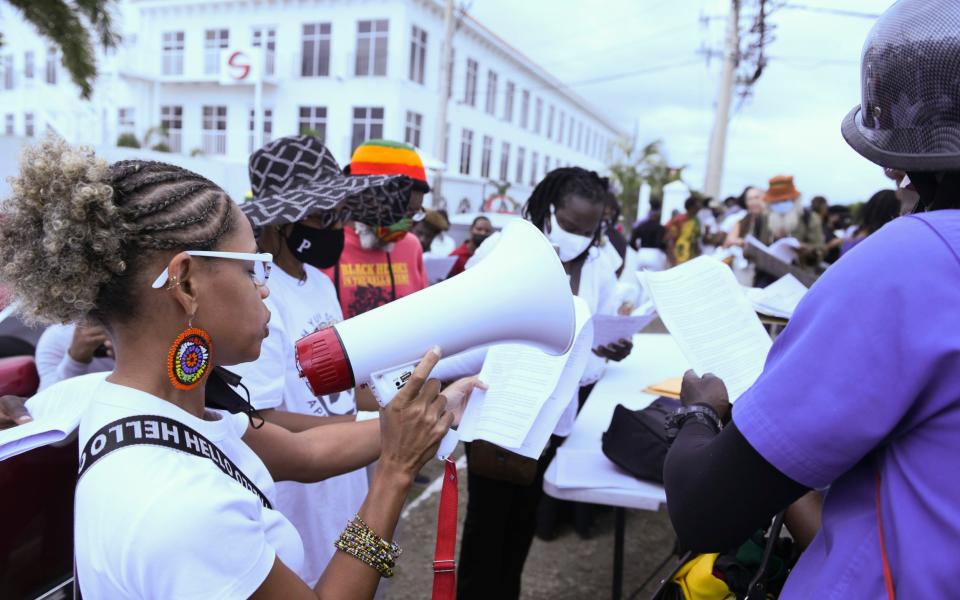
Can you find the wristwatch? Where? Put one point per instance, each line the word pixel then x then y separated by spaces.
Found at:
pixel 698 412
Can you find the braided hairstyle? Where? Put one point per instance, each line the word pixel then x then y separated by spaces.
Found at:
pixel 77 233
pixel 558 185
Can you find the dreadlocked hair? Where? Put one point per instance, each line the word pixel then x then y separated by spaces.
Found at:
pixel 77 233
pixel 558 185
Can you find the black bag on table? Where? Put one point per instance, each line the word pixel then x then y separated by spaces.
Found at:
pixel 636 440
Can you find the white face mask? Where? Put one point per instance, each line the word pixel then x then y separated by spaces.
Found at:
pixel 782 208
pixel 570 245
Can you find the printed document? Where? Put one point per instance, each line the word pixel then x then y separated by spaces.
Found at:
pixel 610 329
pixel 708 315
pixel 438 267
pixel 784 250
pixel 779 299
pixel 528 391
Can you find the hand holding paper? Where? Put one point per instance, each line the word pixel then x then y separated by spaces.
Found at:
pixel 711 320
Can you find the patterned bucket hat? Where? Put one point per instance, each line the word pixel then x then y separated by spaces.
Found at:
pixel 295 177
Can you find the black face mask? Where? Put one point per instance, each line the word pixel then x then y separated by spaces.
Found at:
pixel 320 248
pixel 478 239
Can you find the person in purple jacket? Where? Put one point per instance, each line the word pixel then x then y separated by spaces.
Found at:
pixel 860 395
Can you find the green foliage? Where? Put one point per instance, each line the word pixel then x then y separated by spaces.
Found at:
pixel 157 131
pixel 128 140
pixel 67 25
pixel 313 133
pixel 502 187
pixel 160 147
pixel 644 165
pixel 196 152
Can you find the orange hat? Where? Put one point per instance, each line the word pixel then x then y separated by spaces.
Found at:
pixel 781 188
pixel 383 157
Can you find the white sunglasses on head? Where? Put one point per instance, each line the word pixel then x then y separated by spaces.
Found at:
pixel 261 265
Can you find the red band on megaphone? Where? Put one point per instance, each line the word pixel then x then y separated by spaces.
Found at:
pixel 322 360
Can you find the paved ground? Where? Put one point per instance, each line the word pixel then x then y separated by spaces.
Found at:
pixel 567 568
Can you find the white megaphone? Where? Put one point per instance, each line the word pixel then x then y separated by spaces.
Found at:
pixel 520 293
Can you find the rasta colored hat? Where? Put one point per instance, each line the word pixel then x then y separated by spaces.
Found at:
pixel 296 177
pixel 781 188
pixel 383 157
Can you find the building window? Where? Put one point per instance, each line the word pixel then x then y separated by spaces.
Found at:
pixel 508 102
pixel 570 133
pixel 550 115
pixel 214 41
pixel 367 125
pixel 546 166
pixel 52 59
pixel 470 91
pixel 504 160
pixel 520 156
pixel 266 38
pixel 446 142
pixel 28 65
pixel 313 121
pixel 563 117
pixel 8 72
pixel 126 120
pixel 315 50
pixel 414 125
pixel 171 122
pixel 8 124
pixel 172 53
pixel 534 164
pixel 215 129
pixel 372 48
pixel 28 124
pixel 525 109
pixel 418 54
pixel 267 128
pixel 466 150
pixel 580 136
pixel 485 157
pixel 491 93
pixel 538 116
pixel 452 65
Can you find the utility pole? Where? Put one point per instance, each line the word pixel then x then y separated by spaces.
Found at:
pixel 440 129
pixel 718 138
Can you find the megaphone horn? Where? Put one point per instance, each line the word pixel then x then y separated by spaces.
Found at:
pixel 519 293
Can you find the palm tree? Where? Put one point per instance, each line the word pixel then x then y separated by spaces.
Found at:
pixel 646 165
pixel 72 25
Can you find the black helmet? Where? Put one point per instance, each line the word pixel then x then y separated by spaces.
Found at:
pixel 909 116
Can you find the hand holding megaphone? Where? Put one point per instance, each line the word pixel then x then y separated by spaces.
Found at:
pixel 415 421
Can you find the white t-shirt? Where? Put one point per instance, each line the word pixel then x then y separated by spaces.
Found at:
pixel 318 510
pixel 53 357
pixel 442 245
pixel 154 522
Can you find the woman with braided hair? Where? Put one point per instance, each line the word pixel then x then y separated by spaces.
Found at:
pixel 567 205
pixel 175 500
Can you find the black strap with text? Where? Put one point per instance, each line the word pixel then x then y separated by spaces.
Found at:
pixel 154 430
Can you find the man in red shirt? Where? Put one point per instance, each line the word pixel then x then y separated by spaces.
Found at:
pixel 380 264
pixel 480 229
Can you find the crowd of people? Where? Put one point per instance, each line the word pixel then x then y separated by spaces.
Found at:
pixel 163 294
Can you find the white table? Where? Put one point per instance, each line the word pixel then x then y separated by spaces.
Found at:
pixel 655 357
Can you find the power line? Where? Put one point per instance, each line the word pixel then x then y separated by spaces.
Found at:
pixel 832 11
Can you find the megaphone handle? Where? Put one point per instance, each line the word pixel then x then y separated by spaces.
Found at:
pixel 448 444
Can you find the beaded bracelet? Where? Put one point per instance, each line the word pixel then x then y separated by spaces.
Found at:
pixel 360 542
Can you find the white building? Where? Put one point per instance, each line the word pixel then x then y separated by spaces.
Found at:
pixel 348 70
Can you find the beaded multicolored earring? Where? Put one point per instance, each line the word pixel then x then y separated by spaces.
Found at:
pixel 188 361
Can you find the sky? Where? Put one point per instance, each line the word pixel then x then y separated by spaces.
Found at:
pixel 653 78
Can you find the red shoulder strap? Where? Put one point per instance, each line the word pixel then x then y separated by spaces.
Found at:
pixel 887 575
pixel 444 567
